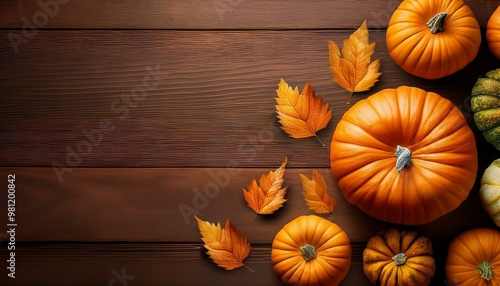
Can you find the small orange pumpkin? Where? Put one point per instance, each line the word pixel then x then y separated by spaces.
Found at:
pixel 396 257
pixel 311 250
pixel 474 258
pixel 404 156
pixel 493 33
pixel 433 38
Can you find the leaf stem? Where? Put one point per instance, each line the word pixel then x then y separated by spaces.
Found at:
pixel 249 269
pixel 323 145
pixel 349 99
pixel 254 217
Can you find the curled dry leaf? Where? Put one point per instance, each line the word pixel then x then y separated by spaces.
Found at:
pixel 226 246
pixel 316 195
pixel 351 68
pixel 267 196
pixel 301 114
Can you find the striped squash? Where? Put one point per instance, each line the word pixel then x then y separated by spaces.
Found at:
pixel 485 104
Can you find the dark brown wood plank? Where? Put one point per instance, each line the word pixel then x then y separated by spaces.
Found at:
pixel 69 92
pixel 198 135
pixel 219 14
pixel 159 264
pixel 157 204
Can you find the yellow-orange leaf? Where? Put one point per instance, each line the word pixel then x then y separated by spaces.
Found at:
pixel 351 68
pixel 267 196
pixel 226 246
pixel 301 114
pixel 316 195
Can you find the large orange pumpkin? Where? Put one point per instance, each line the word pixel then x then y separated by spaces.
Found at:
pixel 493 33
pixel 433 38
pixel 311 250
pixel 474 258
pixel 404 156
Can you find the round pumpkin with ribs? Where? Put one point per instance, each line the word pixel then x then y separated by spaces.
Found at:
pixel 433 38
pixel 395 257
pixel 311 251
pixel 404 156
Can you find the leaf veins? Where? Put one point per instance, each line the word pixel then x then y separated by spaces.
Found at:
pixel 226 247
pixel 316 195
pixel 352 68
pixel 268 195
pixel 301 114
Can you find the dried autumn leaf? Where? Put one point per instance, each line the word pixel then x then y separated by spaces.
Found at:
pixel 301 114
pixel 267 196
pixel 226 247
pixel 316 195
pixel 352 69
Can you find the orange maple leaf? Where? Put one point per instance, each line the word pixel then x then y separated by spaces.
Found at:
pixel 226 247
pixel 267 196
pixel 316 195
pixel 301 114
pixel 352 69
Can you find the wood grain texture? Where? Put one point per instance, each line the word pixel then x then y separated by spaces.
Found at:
pixel 147 108
pixel 147 265
pixel 160 264
pixel 157 205
pixel 207 15
pixel 180 98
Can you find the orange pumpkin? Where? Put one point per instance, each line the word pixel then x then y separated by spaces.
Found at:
pixel 404 156
pixel 474 258
pixel 493 33
pixel 433 38
pixel 311 250
pixel 396 257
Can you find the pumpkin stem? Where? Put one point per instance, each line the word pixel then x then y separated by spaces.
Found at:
pixel 399 259
pixel 485 270
pixel 436 23
pixel 308 252
pixel 403 155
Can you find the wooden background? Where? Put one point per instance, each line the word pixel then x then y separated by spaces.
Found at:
pixel 127 162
